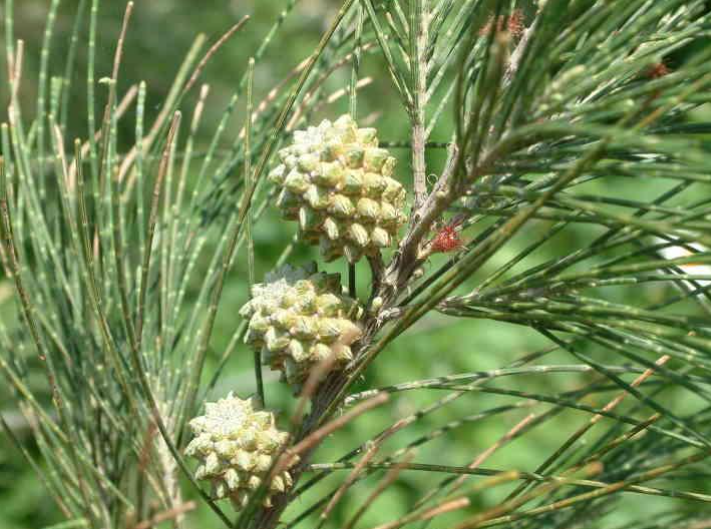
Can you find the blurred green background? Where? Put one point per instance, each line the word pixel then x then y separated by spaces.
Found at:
pixel 160 34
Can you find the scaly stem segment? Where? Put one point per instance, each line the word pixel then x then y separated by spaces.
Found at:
pixel 419 24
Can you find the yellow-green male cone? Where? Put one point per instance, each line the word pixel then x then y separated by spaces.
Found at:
pixel 236 447
pixel 298 318
pixel 338 184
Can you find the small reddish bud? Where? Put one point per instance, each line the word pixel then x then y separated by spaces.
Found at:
pixel 658 70
pixel 515 23
pixel 512 23
pixel 447 239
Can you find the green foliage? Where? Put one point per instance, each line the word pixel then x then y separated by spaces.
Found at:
pixel 552 284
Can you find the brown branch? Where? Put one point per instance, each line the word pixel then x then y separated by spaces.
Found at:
pixel 213 49
pixel 315 437
pixel 388 480
pixel 351 479
pixel 170 514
